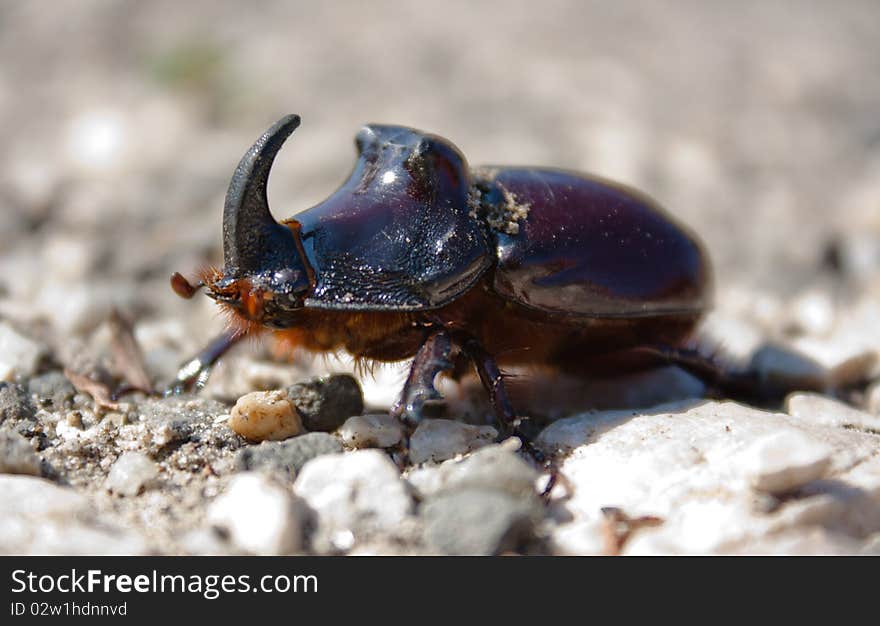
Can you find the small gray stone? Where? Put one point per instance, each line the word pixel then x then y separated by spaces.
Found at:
pixel 52 390
pixel 371 431
pixel 171 421
pixel 286 457
pixel 478 522
pixel 15 403
pixel 438 439
pixel 16 455
pixel 131 474
pixel 325 403
pixel 492 467
pixel 778 366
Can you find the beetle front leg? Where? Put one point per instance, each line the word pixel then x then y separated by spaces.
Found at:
pixel 194 373
pixel 432 358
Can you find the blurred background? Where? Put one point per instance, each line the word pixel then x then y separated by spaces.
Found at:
pixel 755 122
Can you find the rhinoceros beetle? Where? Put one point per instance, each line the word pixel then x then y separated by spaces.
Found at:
pixel 419 256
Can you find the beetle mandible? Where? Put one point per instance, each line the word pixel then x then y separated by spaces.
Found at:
pixel 419 256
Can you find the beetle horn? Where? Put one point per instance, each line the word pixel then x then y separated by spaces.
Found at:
pixel 250 233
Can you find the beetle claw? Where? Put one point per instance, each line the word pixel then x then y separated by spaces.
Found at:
pixel 431 359
pixel 410 410
pixel 544 462
pixel 191 377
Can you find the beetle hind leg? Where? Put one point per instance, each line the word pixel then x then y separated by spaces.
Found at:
pixel 747 382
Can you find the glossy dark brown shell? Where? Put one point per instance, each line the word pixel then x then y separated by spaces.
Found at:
pixel 591 248
pixel 397 235
pixel 413 229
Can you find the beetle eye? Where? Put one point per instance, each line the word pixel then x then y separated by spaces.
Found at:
pixel 290 281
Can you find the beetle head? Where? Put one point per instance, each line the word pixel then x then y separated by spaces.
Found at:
pixel 265 273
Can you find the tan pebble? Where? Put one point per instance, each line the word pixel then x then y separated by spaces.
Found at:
pixel 117 419
pixel 74 419
pixel 265 415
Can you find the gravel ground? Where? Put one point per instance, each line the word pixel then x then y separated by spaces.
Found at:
pixel 755 122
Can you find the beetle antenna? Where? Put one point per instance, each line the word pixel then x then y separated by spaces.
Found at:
pixel 183 288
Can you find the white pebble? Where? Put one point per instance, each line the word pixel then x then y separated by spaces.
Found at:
pixel 437 440
pixel 819 409
pixel 260 516
pixel 785 461
pixel 27 495
pixel 691 466
pixel 356 491
pixel 40 518
pixel 131 474
pixel 739 337
pixel 19 355
pixel 580 538
pixel 265 415
pixel 80 310
pixel 96 139
pixel 812 313
pixel 371 431
pixel 567 434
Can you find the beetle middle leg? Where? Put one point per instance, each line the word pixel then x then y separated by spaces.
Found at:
pixel 436 356
pixel 509 423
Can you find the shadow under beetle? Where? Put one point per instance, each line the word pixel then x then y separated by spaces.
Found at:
pixel 419 256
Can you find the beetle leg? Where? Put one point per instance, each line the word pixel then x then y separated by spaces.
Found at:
pixel 493 382
pixel 509 423
pixel 432 358
pixel 194 373
pixel 742 382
